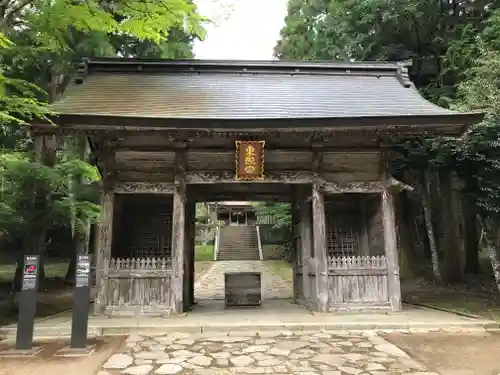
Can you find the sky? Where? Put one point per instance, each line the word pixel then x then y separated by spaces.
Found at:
pixel 249 32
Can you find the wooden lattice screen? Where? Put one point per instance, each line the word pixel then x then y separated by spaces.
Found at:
pixel 343 237
pixel 145 227
pixel 344 227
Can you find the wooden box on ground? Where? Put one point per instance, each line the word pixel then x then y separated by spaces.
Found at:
pixel 242 289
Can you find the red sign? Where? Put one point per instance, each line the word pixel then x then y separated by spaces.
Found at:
pixel 250 160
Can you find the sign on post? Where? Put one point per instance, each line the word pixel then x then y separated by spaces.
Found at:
pixel 80 318
pixel 27 302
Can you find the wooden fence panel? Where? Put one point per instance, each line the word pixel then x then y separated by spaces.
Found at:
pixel 139 286
pixel 357 282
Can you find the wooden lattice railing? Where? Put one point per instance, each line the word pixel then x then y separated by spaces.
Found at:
pixel 138 286
pixel 357 280
pixel 358 262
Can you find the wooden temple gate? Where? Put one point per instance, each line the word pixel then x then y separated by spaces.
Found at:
pixel 159 154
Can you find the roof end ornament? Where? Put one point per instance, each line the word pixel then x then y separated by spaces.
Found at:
pixel 82 71
pixel 402 73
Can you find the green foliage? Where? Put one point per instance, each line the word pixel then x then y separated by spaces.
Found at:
pixel 439 36
pixel 282 214
pixel 40 40
pixel 19 175
pixel 19 99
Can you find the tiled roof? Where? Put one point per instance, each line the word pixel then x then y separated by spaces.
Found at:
pixel 243 90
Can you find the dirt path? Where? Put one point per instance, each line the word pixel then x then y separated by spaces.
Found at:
pixel 46 364
pixel 471 353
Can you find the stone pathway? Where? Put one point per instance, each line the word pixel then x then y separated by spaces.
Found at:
pixel 285 352
pixel 211 285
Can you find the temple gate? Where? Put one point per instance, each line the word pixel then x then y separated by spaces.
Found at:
pixel 166 134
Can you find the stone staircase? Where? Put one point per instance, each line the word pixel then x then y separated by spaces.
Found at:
pixel 238 243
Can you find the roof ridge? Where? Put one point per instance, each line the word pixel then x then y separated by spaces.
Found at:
pixel 103 63
pixel 141 65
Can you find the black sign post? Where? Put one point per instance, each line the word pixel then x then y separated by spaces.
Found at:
pixel 27 303
pixel 80 320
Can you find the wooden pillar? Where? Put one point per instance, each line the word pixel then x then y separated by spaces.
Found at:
pixel 390 236
pixel 391 249
pixel 320 248
pixel 295 245
pixel 178 233
pixel 305 240
pixel 103 250
pixel 189 254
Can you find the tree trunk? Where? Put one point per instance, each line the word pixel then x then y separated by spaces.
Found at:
pixel 491 232
pixel 426 204
pixel 471 235
pixel 447 227
pixel 407 245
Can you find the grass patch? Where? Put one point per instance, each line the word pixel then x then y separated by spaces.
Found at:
pixel 204 253
pixel 281 268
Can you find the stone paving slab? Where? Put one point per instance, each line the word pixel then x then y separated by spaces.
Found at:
pixel 274 352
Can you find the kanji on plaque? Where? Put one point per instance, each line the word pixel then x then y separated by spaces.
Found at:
pixel 250 160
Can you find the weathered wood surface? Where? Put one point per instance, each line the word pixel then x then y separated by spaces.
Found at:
pixel 320 249
pixel 389 232
pixel 144 188
pixel 296 250
pixel 138 286
pixel 242 289
pixel 228 176
pixel 391 249
pixel 104 249
pixel 189 257
pixel 178 233
pixel 305 227
pixel 357 281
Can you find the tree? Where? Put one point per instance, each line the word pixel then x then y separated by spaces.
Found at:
pixel 46 37
pixel 478 154
pixel 444 41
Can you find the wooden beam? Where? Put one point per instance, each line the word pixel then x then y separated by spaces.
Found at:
pixel 398 186
pixel 228 177
pixel 351 187
pixel 144 188
pixel 178 234
pixel 104 249
pixel 217 197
